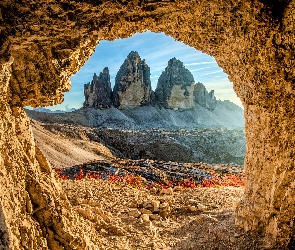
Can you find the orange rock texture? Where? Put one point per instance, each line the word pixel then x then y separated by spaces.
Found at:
pixel 44 42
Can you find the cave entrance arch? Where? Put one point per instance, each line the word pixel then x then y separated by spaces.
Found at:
pixel 252 41
pixel 197 73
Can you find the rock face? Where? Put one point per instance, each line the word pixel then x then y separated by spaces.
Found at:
pixel 175 89
pixel 202 97
pixel 34 209
pixel 98 92
pixel 133 85
pixel 175 86
pixel 253 41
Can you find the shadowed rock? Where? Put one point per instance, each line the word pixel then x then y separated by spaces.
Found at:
pixel 98 92
pixel 175 86
pixel 132 84
pixel 202 97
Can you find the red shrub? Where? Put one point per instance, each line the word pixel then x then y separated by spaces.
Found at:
pixel 136 181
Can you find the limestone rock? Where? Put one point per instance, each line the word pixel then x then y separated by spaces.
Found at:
pixel 201 207
pixel 116 229
pixel 155 204
pixel 145 217
pixel 86 212
pixel 191 208
pixel 194 205
pixel 134 213
pixel 155 217
pixel 98 92
pixel 202 97
pixel 104 215
pixel 148 206
pixel 175 86
pixel 164 210
pixel 253 41
pixel 145 211
pixel 132 84
pixel 166 191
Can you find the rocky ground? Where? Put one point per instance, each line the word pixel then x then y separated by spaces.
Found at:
pixel 212 145
pixel 126 217
pixel 77 144
pixel 147 203
pixel 161 174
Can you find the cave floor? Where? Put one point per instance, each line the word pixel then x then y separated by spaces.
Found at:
pixel 195 218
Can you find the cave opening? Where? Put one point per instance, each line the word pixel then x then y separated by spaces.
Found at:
pixel 156 49
pixel 149 147
pixel 251 40
pixel 202 121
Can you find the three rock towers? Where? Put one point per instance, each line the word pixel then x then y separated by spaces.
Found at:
pixel 176 88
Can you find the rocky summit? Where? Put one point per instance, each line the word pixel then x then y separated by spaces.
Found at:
pixel 98 92
pixel 132 84
pixel 202 97
pixel 175 86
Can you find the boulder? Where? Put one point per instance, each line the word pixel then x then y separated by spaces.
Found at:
pixel 132 84
pixel 98 92
pixel 175 87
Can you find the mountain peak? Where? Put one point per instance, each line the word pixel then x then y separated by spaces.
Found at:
pixel 132 84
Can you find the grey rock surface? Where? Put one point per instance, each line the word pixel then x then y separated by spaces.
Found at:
pixel 175 86
pixel 213 145
pixel 132 83
pixel 98 92
pixel 203 98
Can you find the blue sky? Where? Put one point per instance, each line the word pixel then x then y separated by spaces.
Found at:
pixel 156 49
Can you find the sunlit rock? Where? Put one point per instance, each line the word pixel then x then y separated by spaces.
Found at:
pixel 175 86
pixel 133 85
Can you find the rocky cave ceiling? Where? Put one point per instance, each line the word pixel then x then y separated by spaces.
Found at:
pixel 44 42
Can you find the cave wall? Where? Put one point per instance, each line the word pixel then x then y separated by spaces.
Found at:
pixel 35 213
pixel 44 42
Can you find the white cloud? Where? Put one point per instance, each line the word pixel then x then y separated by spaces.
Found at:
pixel 199 63
pixel 155 76
pixel 210 73
pixel 193 70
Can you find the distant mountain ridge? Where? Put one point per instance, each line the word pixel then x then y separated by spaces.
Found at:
pixel 177 102
pixel 45 110
pixel 176 88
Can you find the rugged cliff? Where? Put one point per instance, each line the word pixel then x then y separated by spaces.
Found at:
pixel 202 97
pixel 132 84
pixel 175 86
pixel 252 40
pixel 98 92
pixel 175 89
